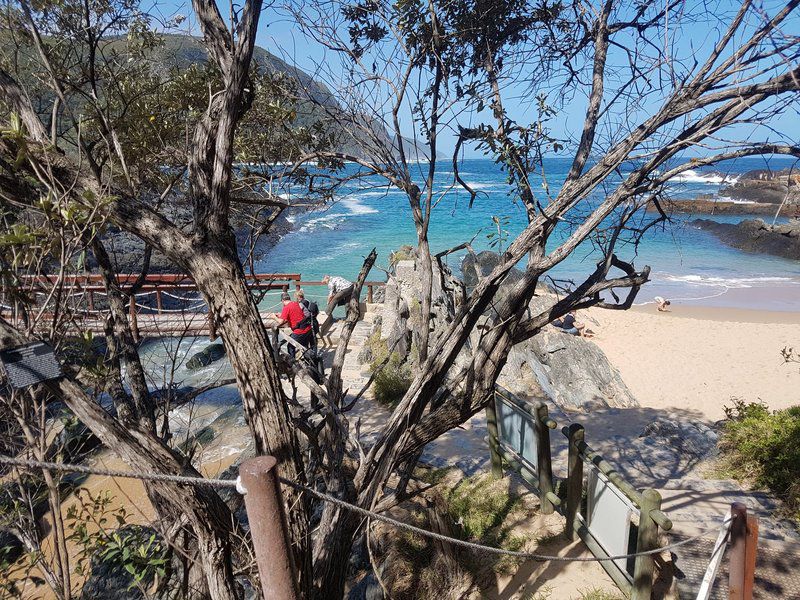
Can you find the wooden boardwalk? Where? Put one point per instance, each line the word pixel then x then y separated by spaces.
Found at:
pixel 162 305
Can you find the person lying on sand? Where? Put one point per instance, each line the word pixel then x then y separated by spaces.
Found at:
pixel 662 304
pixel 568 324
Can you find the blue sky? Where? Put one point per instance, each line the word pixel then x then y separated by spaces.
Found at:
pixel 281 36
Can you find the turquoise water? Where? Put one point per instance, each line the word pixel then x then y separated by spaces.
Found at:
pixel 688 265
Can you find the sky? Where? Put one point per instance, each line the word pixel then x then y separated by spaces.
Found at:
pixel 280 35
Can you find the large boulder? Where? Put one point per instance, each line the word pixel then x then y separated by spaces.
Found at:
pixel 570 370
pixel 475 267
pixel 206 356
pixel 754 235
pixel 402 312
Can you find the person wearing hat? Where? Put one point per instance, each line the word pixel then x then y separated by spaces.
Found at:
pixel 293 316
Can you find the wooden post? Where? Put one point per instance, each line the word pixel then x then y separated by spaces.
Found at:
pixel 267 520
pixel 738 552
pixel 369 293
pixel 575 434
pixel 647 540
pixel 91 300
pixel 159 306
pixel 751 551
pixel 494 437
pixel 543 461
pixel 134 322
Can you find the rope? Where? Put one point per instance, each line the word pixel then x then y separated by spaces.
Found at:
pixel 236 483
pixel 67 468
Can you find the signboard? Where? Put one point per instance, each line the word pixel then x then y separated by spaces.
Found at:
pixel 516 431
pixel 608 519
pixel 29 364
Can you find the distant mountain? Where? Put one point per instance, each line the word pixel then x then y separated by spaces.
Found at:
pixel 184 50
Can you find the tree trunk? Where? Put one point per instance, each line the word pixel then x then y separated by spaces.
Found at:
pixel 219 276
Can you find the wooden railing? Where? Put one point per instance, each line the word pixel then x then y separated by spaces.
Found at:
pixel 599 509
pixel 150 297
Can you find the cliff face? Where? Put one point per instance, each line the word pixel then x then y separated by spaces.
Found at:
pixel 571 371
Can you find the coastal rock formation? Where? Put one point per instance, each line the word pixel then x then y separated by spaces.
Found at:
pixel 476 266
pixel 754 235
pixel 570 370
pixel 716 206
pixel 766 186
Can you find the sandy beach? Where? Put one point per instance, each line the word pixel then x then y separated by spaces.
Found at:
pixel 696 359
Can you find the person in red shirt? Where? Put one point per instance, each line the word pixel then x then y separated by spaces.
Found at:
pixel 293 316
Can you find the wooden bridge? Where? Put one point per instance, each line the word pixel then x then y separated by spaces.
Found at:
pixel 162 305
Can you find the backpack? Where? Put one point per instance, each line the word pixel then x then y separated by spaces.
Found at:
pixel 310 312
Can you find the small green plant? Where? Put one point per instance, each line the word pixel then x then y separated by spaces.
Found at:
pixel 103 535
pixel 392 374
pixel 499 236
pixel 486 513
pixel 763 447
pixel 402 253
pixel 392 381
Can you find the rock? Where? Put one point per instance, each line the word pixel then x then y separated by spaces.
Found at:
pixel 766 186
pixel 754 235
pixel 716 206
pixel 205 357
pixel 568 369
pixel 402 309
pixel 476 266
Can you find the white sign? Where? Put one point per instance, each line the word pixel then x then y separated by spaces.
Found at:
pixel 608 519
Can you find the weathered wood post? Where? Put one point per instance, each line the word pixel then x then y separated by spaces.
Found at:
pixel 91 300
pixel 494 437
pixel 750 556
pixel 267 520
pixel 738 552
pixel 543 459
pixel 575 434
pixel 159 304
pixel 647 540
pixel 369 293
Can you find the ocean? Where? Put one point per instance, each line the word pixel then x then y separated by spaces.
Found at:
pixel 688 265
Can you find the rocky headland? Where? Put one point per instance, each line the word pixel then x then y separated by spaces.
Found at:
pixel 754 235
pixel 716 206
pixel 763 185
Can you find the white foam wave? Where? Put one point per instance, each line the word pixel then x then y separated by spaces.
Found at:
pixel 692 176
pixel 332 220
pixel 329 222
pixel 355 207
pixel 734 200
pixel 729 282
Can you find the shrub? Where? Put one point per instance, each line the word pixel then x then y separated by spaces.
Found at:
pixel 392 381
pixel 393 378
pixel 764 446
